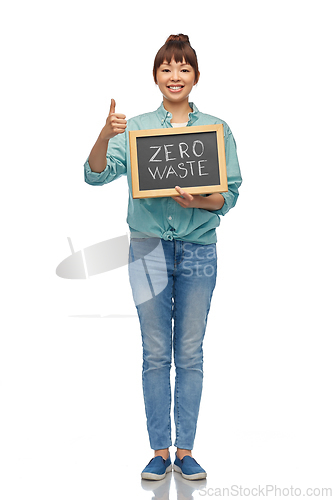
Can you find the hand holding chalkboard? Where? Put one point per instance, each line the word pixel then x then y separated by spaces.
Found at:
pixel 187 200
pixel 115 123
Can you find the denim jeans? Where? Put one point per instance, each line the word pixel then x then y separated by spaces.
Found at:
pixel 172 284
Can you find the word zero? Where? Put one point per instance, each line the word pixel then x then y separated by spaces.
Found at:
pixel 183 148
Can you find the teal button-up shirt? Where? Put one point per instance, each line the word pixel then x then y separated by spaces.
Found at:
pixel 163 217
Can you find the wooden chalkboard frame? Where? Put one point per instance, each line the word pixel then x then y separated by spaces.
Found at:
pixel 155 193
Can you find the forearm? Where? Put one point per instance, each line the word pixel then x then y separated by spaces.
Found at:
pixel 97 157
pixel 214 201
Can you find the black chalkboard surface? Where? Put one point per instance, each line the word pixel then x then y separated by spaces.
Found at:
pixel 190 157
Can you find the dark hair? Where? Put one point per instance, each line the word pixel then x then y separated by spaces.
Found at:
pixel 177 47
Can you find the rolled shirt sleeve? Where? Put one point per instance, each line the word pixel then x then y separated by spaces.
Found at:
pixel 233 173
pixel 116 163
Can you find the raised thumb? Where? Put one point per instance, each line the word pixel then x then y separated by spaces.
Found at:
pixel 113 106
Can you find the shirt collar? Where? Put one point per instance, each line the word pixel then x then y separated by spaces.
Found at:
pixel 164 115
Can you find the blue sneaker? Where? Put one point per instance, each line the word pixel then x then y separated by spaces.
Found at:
pixel 157 468
pixel 189 468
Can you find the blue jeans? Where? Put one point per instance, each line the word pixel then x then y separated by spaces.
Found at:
pixel 172 281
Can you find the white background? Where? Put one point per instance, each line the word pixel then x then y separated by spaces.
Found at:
pixel 72 415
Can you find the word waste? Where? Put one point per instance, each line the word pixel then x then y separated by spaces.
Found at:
pixel 182 169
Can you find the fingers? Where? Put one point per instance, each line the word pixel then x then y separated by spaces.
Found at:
pixel 185 199
pixel 183 203
pixel 117 123
pixel 186 196
pixel 118 116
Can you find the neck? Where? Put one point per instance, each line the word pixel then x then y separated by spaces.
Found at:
pixel 179 110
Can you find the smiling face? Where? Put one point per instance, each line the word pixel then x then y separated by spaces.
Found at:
pixel 175 80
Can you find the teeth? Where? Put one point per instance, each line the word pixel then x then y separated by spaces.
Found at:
pixel 175 88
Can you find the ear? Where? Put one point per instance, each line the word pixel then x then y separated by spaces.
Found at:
pixel 197 78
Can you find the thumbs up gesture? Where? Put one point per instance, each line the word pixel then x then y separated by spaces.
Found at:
pixel 115 123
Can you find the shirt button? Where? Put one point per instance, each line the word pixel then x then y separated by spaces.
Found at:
pixel 170 218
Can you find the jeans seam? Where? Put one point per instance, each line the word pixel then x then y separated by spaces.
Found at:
pixel 169 426
pixel 174 357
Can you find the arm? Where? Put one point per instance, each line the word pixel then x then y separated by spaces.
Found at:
pixel 218 203
pixel 97 157
pixel 233 174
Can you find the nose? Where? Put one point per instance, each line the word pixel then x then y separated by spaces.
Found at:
pixel 175 76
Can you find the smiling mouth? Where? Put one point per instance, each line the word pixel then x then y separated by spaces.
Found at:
pixel 175 88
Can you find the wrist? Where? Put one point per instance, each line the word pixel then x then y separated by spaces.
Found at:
pixel 103 139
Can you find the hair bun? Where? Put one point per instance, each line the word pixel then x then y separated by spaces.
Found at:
pixel 178 38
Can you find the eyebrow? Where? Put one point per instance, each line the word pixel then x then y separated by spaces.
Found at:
pixel 169 64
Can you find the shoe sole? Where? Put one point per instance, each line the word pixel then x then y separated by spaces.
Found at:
pixel 156 477
pixel 191 477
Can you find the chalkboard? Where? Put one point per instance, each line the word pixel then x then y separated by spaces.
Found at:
pixel 190 157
